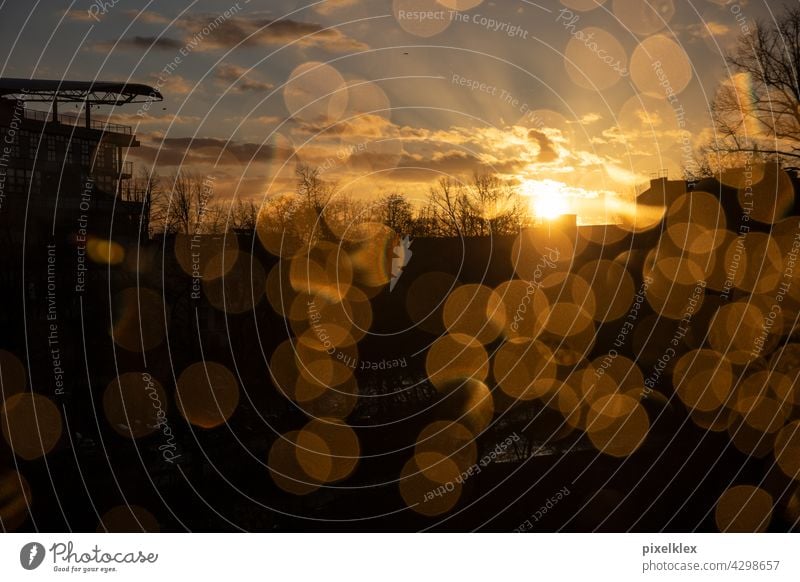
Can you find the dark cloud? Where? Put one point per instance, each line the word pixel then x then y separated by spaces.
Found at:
pixel 149 17
pixel 80 16
pixel 547 152
pixel 163 43
pixel 454 164
pixel 331 6
pixel 238 79
pixel 364 126
pixel 203 151
pixel 210 31
pixel 255 31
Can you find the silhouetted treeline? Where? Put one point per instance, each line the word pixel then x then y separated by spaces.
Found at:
pixel 185 203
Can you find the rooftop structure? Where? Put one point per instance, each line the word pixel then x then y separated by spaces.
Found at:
pixel 58 168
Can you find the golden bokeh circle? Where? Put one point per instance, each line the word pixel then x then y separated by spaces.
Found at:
pixel 762 266
pixel 612 288
pixel 13 377
pixel 207 394
pixel 204 256
pixel 591 67
pixel 31 424
pixel 128 519
pixel 15 500
pixel 476 311
pixel 787 450
pixel 697 209
pixel 423 18
pixel 644 17
pixel 135 405
pixel 565 319
pixel 139 324
pixel 456 357
pixel 769 199
pixel 660 68
pixel 313 456
pixel 744 509
pixel 277 225
pixel 460 5
pixel 327 450
pixel 468 402
pixel 278 289
pixel 315 93
pixel 284 468
pixel 323 270
pixel 703 379
pixel 437 467
pixel 524 369
pixel 624 372
pixel 583 5
pixel 450 439
pixel 617 424
pixel 734 329
pixel 424 495
pixel 371 250
pixel 521 302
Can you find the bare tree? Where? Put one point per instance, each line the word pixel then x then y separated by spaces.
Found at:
pixel 445 209
pixel 424 223
pixel 396 212
pixel 182 206
pixel 344 212
pixel 497 208
pixel 487 206
pixel 315 191
pixel 277 213
pixel 216 219
pixel 316 195
pixel 141 187
pixel 757 110
pixel 244 215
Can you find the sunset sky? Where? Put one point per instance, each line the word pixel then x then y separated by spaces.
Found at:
pixel 390 96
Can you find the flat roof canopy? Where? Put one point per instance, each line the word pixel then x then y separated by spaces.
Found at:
pixel 97 92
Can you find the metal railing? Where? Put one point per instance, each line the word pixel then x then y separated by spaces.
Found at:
pixel 77 121
pixel 129 193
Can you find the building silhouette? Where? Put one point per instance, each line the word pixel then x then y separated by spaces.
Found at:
pixel 62 172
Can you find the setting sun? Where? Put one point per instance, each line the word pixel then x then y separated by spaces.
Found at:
pixel 548 198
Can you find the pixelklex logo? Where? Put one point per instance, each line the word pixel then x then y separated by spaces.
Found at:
pixel 31 555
